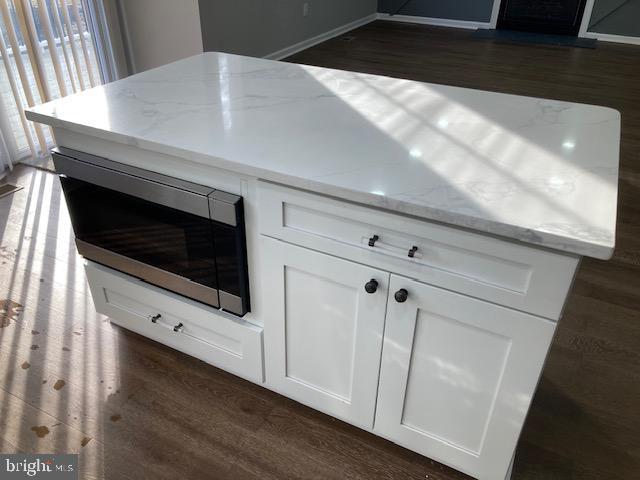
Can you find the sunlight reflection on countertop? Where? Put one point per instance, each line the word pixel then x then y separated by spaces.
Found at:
pixel 541 171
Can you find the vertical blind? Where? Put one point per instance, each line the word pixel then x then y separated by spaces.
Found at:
pixel 48 51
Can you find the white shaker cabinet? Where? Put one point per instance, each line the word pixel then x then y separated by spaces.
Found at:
pixel 457 376
pixel 445 354
pixel 323 330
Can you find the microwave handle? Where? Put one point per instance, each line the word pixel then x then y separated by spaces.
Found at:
pixel 184 200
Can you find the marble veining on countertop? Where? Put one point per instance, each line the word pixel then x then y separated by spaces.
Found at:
pixel 541 171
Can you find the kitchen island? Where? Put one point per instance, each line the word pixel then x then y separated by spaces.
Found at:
pixel 410 246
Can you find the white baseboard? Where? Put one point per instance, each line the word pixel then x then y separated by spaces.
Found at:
pixel 440 22
pixel 607 37
pixel 298 47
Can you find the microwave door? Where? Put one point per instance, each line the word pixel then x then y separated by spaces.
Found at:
pixel 155 232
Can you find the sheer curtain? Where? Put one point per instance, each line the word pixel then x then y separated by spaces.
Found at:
pixel 48 50
pixel 5 155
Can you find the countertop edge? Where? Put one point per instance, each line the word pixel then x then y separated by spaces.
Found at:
pixel 526 236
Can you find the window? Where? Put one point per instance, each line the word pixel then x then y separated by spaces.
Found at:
pixel 48 51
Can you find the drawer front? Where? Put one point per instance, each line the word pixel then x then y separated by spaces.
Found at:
pixel 180 323
pixel 503 272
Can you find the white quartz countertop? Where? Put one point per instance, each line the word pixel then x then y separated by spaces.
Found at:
pixel 540 171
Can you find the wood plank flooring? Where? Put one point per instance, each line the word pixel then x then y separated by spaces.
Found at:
pixel 72 382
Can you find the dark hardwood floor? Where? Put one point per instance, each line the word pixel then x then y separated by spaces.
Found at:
pixel 72 382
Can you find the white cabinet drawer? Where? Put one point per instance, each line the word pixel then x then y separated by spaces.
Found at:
pixel 482 266
pixel 192 328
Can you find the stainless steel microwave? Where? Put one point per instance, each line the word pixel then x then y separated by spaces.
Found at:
pixel 181 236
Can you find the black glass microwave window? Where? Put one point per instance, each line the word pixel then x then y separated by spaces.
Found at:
pixel 153 234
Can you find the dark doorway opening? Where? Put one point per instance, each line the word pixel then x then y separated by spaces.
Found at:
pixel 560 17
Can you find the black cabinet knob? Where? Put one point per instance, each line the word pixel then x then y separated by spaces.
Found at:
pixel 401 295
pixel 155 318
pixel 412 252
pixel 178 328
pixel 373 240
pixel 371 286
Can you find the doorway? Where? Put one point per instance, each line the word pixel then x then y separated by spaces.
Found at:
pixel 559 17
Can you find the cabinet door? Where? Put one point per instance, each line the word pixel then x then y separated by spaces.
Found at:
pixel 458 376
pixel 323 331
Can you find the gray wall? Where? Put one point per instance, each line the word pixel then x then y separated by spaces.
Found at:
pixel 261 27
pixel 616 17
pixel 470 10
pixel 603 8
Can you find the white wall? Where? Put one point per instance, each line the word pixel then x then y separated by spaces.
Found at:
pixel 158 32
